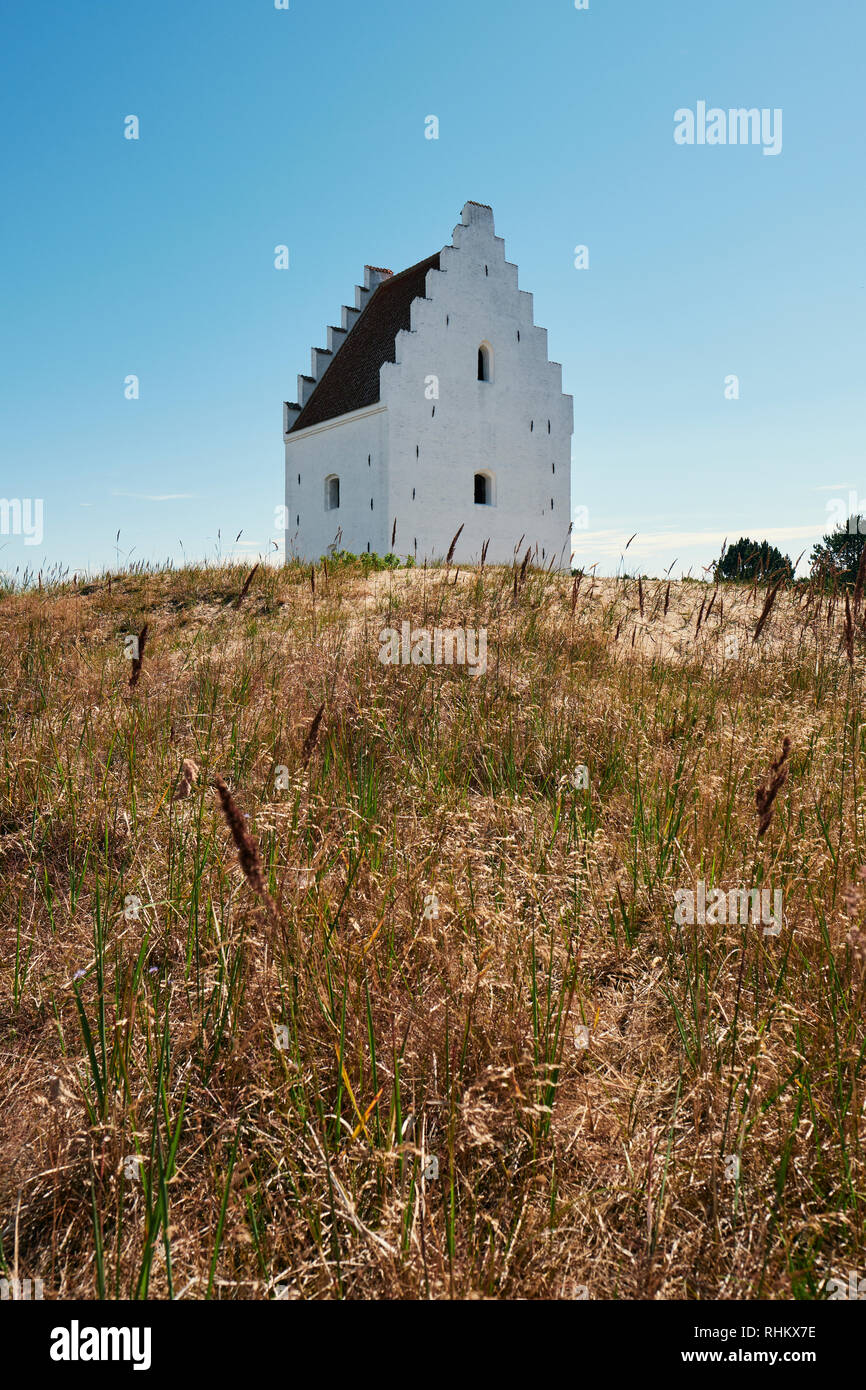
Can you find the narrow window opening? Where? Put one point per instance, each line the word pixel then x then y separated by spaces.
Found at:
pixel 434 412
pixel 299 480
pixel 553 468
pixel 297 521
pixel 531 426
pixel 486 271
pixel 548 427
pixel 332 493
pixel 483 490
pixel 485 363
pixel 371 504
pixel 417 451
pixel 551 504
pixel 413 494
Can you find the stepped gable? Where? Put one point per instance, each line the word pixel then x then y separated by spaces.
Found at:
pixel 351 379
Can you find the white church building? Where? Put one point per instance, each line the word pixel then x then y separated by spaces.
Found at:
pixel 433 406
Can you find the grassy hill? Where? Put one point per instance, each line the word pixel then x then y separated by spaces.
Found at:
pixel 326 978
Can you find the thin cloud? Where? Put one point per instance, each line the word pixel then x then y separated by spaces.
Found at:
pixel 613 542
pixel 156 496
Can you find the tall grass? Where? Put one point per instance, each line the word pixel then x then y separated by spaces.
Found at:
pixel 279 925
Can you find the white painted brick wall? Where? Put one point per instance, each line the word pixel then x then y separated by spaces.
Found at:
pixel 342 448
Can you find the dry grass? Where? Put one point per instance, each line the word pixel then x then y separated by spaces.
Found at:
pixel 430 914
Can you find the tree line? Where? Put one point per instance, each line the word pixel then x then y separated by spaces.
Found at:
pixel 836 558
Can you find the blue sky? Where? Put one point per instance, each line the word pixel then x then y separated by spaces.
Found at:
pixel 261 127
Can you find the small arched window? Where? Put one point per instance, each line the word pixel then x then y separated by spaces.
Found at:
pixel 483 490
pixel 332 493
pixel 485 363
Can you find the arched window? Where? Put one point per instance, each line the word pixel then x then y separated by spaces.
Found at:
pixel 485 362
pixel 484 489
pixel 332 493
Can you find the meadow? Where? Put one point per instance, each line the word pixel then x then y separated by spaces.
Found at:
pixel 322 978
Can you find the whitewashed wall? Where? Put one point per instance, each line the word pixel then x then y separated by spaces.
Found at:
pixel 499 426
pixel 342 447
